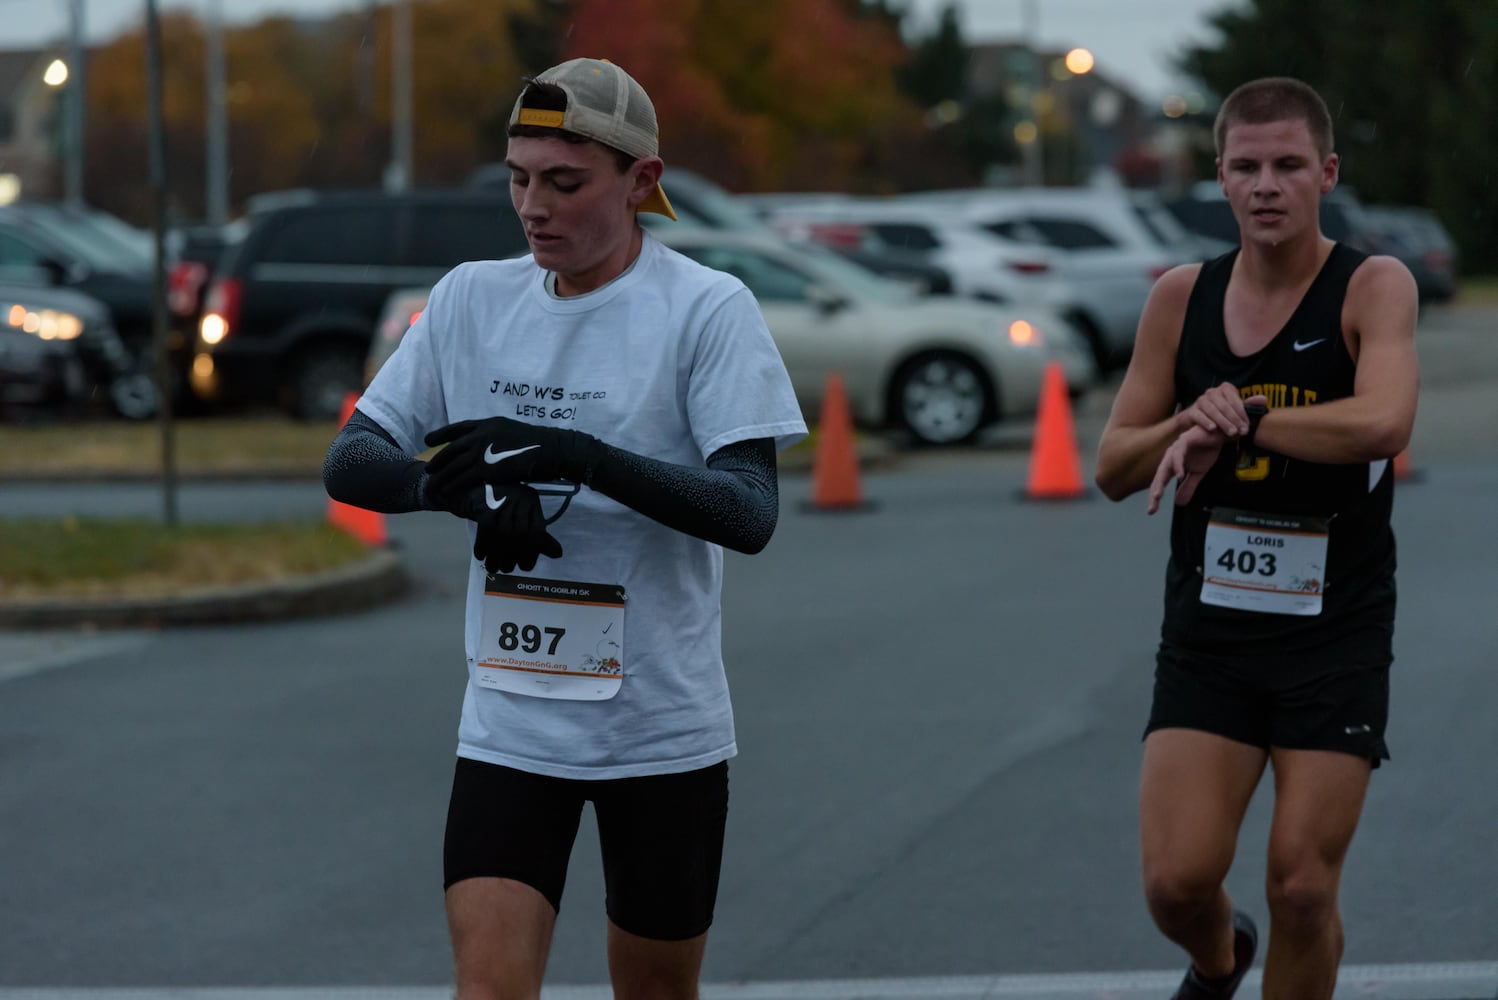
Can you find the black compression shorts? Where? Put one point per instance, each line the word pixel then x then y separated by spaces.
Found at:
pixel 1299 701
pixel 661 836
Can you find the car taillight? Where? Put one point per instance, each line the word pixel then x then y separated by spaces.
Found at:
pixel 1029 266
pixel 184 286
pixel 1158 271
pixel 844 235
pixel 220 311
pixel 1437 260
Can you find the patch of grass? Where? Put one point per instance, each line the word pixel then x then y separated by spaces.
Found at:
pixel 224 446
pixel 242 446
pixel 86 557
pixel 1479 290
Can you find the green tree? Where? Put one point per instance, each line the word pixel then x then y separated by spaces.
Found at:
pixel 1412 87
pixel 937 69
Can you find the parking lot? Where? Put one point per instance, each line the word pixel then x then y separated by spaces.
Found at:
pixel 938 701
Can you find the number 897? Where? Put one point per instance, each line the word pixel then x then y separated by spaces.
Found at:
pixel 513 636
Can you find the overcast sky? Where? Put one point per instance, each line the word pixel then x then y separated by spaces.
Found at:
pixel 1132 39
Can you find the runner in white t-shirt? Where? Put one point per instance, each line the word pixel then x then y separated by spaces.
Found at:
pixel 610 412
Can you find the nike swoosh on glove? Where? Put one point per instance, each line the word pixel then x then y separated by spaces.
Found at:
pixel 511 527
pixel 499 450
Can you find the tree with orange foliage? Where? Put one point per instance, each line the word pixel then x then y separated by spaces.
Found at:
pixel 772 94
pixel 272 116
pixel 308 102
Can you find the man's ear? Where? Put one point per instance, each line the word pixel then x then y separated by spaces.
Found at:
pixel 648 170
pixel 1330 172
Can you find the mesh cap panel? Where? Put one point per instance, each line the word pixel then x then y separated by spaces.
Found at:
pixel 603 103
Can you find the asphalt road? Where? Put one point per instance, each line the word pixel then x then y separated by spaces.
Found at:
pixel 939 706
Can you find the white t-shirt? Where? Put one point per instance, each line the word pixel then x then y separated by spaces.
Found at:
pixel 671 360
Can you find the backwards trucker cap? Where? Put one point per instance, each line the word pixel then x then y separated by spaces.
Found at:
pixel 606 104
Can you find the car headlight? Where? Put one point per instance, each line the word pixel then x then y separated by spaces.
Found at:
pixel 48 324
pixel 1023 334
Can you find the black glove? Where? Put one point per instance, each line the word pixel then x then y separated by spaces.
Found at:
pixel 511 527
pixel 500 450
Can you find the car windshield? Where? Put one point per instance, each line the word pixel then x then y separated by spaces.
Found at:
pixel 1162 226
pixel 98 245
pixel 717 208
pixel 841 274
pixel 136 241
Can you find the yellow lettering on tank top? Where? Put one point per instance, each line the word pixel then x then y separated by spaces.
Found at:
pixel 1251 467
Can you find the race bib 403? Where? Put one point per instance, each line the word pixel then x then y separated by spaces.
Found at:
pixel 1273 563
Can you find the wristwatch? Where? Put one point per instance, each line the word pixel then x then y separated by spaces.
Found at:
pixel 1255 413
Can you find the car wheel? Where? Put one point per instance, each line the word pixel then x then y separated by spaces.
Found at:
pixel 943 398
pixel 133 396
pixel 321 380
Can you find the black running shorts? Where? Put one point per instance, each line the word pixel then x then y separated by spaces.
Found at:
pixel 661 836
pixel 1299 701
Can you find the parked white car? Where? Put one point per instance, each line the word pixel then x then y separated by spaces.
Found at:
pixel 402 307
pixel 942 368
pixel 1109 246
pixel 983 264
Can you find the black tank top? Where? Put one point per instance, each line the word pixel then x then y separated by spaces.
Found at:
pixel 1306 363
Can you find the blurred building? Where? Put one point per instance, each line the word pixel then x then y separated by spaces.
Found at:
pixel 1083 121
pixel 30 154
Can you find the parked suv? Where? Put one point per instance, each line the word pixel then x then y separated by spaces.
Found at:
pixel 293 306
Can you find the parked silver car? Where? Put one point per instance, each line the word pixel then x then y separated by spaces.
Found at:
pixel 983 264
pixel 941 368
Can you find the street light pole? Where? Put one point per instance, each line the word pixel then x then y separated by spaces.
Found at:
pixel 156 152
pixel 74 99
pixel 398 174
pixel 216 192
pixel 1035 149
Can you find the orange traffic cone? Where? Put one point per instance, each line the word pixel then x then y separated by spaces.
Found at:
pixel 366 525
pixel 834 470
pixel 1055 466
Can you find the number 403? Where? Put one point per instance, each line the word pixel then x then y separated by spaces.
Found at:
pixel 528 637
pixel 1246 561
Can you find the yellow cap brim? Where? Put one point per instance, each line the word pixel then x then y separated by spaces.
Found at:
pixel 656 202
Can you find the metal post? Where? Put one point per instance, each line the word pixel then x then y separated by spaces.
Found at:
pixel 73 106
pixel 398 177
pixel 157 154
pixel 216 191
pixel 1035 160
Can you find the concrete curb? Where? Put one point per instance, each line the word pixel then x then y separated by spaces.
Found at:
pixel 379 577
pixel 873 453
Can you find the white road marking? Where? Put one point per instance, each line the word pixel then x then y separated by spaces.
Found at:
pixel 25 653
pixel 1435 981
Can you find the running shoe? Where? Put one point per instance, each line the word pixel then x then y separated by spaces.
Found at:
pixel 1245 943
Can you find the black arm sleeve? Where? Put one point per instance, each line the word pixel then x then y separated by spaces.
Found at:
pixel 734 502
pixel 364 467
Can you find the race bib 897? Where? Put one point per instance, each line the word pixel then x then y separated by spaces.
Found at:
pixel 551 638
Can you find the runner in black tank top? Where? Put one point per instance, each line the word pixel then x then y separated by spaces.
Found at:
pixel 1273 386
pixel 1306 363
